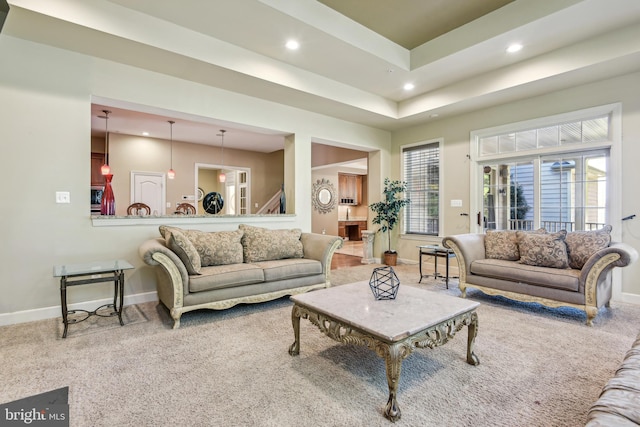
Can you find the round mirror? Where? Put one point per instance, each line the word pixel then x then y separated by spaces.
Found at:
pixel 324 196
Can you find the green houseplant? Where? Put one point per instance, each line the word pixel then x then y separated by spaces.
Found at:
pixel 387 212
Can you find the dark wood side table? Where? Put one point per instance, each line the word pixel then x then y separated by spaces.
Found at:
pixel 92 272
pixel 436 252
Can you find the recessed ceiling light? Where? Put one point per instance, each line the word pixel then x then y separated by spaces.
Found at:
pixel 514 48
pixel 434 115
pixel 292 45
pixel 409 86
pixel 145 133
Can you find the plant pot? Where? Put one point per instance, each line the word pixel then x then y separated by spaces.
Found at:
pixel 390 258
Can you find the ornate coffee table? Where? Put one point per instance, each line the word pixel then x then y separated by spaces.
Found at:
pixel 417 318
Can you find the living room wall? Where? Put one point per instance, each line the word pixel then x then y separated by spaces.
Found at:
pixel 45 128
pixel 455 131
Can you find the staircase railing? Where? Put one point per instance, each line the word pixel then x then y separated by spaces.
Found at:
pixel 272 206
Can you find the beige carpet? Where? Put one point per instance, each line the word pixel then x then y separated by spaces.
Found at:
pixel 538 367
pixel 131 314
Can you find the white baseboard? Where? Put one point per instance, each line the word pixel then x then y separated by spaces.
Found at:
pixel 55 311
pixel 627 297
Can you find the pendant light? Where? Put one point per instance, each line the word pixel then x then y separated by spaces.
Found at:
pixel 105 169
pixel 222 177
pixel 171 174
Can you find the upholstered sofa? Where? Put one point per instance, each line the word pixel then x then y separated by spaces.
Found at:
pixel 619 401
pixel 217 270
pixel 554 269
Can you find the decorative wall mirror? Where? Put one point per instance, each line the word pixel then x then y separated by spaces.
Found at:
pixel 324 196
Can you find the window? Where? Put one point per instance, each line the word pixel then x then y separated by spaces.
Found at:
pixel 554 175
pixel 561 135
pixel 557 192
pixel 421 168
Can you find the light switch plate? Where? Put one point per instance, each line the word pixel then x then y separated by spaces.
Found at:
pixel 63 197
pixel 456 203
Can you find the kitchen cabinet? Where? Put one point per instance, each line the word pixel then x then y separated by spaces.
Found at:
pixel 349 189
pixel 351 230
pixel 97 160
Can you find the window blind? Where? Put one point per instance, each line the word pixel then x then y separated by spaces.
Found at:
pixel 421 164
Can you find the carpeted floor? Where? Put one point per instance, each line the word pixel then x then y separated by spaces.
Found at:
pixel 538 367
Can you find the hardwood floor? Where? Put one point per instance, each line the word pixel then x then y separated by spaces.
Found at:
pixel 344 261
pixel 348 256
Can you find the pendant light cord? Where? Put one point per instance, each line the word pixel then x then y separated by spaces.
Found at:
pixel 222 145
pixel 106 136
pixel 171 122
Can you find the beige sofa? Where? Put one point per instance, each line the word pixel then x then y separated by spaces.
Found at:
pixel 217 270
pixel 553 269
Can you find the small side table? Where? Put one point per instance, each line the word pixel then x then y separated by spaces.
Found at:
pixel 97 272
pixel 436 252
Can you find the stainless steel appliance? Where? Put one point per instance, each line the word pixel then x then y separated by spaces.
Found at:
pixel 96 199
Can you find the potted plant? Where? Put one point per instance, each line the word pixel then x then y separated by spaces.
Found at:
pixel 388 213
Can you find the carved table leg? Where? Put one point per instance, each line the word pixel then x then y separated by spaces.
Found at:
pixel 393 360
pixel 294 350
pixel 472 359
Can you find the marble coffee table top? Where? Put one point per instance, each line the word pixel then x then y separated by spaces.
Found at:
pixel 412 311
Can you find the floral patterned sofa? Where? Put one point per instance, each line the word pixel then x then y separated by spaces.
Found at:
pixel 217 270
pixel 554 269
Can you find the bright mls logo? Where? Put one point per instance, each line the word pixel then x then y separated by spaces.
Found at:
pixel 49 409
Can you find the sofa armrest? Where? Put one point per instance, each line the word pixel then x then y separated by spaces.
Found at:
pixel 148 248
pixel 468 248
pixel 595 270
pixel 175 281
pixel 320 247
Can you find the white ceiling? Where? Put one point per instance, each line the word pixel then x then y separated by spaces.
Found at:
pixel 344 68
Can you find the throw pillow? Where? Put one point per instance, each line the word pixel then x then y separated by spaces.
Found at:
pixel 262 244
pixel 217 248
pixel 543 250
pixel 164 230
pixel 501 244
pixel 582 244
pixel 179 243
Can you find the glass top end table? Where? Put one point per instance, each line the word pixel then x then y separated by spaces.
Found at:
pixel 436 251
pixel 92 272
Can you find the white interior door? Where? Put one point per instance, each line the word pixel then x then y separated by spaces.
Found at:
pixel 149 188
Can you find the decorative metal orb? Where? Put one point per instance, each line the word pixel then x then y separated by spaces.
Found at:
pixel 384 283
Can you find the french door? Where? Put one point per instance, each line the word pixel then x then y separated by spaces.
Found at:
pixel 556 192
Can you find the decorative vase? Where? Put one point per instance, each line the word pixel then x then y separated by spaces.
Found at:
pixel 108 202
pixel 390 258
pixel 283 201
pixel 384 283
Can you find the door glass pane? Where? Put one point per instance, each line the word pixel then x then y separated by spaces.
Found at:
pixel 508 196
pixel 595 187
pixel 557 194
pixel 520 192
